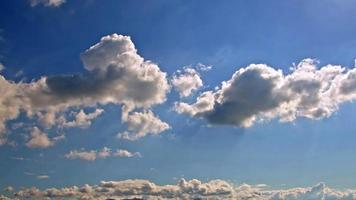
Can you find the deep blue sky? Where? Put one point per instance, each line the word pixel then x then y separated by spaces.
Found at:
pixel 44 41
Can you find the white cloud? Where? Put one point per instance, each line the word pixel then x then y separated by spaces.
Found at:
pixel 9 189
pixel 103 153
pixel 84 155
pixel 192 189
pixel 204 68
pixel 259 92
pixel 139 124
pixel 42 177
pixel 82 119
pixel 38 139
pixel 2 67
pixel 2 197
pixel 125 153
pixel 59 138
pixel 48 3
pixel 187 81
pixel 116 74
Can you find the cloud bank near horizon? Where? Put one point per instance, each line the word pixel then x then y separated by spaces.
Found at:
pixel 184 189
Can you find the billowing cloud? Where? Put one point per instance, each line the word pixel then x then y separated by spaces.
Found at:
pixel 259 92
pixel 38 139
pixel 103 153
pixel 49 3
pixel 192 189
pixel 187 81
pixel 139 124
pixel 81 119
pixel 115 74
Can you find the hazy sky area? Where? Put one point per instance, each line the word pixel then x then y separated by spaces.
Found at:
pixel 185 98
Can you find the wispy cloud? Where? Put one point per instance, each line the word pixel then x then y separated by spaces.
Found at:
pixel 105 152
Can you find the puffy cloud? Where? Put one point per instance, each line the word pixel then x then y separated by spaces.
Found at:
pixel 82 119
pixel 187 81
pixel 139 124
pixel 192 189
pixel 2 67
pixel 38 139
pixel 9 105
pixel 2 197
pixel 103 153
pixel 9 189
pixel 260 92
pixel 49 3
pixel 125 153
pixel 115 74
pixel 84 155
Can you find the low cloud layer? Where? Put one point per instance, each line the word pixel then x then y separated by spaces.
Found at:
pixel 192 189
pixel 115 74
pixel 101 154
pixel 259 92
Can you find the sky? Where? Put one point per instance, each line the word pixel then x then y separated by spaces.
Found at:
pixel 174 92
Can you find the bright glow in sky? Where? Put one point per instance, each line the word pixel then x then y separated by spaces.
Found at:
pixel 177 99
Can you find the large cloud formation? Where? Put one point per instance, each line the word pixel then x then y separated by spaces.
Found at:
pixel 259 92
pixel 115 74
pixel 192 189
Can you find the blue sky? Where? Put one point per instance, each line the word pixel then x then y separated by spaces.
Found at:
pixel 46 41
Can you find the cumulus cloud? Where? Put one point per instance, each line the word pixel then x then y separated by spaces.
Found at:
pixel 125 153
pixel 103 153
pixel 187 81
pixel 186 189
pixel 2 67
pixel 84 155
pixel 48 3
pixel 38 139
pixel 115 74
pixel 9 189
pixel 259 92
pixel 81 119
pixel 139 124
